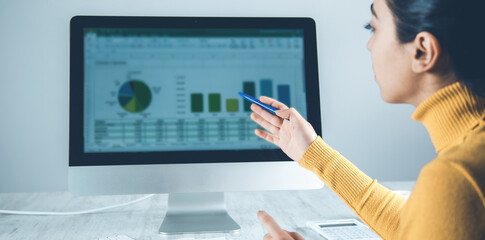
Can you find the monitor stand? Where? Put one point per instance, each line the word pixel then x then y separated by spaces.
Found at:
pixel 197 213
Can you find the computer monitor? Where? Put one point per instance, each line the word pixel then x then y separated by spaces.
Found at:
pixel 154 108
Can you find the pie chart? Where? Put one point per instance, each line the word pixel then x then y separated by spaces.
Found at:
pixel 134 96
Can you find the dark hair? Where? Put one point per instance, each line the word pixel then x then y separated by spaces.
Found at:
pixel 459 26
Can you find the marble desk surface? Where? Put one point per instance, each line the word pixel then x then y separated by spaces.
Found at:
pixel 291 209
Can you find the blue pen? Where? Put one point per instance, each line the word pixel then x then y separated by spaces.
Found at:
pixel 259 103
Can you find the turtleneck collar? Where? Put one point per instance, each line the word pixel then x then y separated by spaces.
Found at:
pixel 449 114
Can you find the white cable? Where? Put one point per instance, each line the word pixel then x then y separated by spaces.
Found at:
pixel 77 212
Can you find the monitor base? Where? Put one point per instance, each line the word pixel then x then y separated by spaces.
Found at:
pixel 193 213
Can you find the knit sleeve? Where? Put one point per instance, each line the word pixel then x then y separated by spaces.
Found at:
pixel 376 205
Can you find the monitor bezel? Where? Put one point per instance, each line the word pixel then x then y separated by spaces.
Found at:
pixel 77 156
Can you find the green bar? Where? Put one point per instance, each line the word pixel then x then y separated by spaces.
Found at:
pixel 214 102
pixel 197 102
pixel 232 105
pixel 249 89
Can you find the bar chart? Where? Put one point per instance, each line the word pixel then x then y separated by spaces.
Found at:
pixel 215 102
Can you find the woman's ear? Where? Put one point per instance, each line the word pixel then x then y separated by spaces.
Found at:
pixel 426 51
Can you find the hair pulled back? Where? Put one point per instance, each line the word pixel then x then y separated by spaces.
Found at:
pixel 459 26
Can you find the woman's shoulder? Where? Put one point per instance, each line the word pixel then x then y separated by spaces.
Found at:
pixel 469 153
pixel 446 201
pixel 462 166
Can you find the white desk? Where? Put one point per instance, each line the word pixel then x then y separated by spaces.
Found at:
pixel 291 209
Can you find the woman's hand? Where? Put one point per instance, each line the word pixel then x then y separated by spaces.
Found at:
pixel 274 230
pixel 293 136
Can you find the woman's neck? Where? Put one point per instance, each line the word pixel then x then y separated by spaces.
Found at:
pixel 449 114
pixel 429 84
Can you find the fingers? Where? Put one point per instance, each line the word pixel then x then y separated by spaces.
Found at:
pixel 275 232
pixel 290 114
pixel 295 235
pixel 265 124
pixel 270 225
pixel 266 136
pixel 275 120
pixel 272 102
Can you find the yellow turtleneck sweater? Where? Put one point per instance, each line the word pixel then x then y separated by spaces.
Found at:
pixel 447 201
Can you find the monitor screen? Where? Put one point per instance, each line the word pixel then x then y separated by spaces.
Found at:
pixel 168 92
pixel 176 89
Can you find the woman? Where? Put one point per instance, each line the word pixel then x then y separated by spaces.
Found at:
pixel 428 53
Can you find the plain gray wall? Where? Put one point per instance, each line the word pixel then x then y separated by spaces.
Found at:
pixel 379 138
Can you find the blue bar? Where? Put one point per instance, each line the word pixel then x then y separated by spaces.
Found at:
pixel 249 88
pixel 266 86
pixel 284 94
